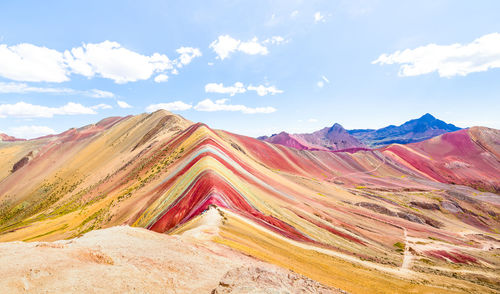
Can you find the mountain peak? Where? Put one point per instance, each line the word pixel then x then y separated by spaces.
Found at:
pixel 337 127
pixel 427 117
pixel 162 111
pixel 289 140
pixel 332 138
pixel 415 130
pixel 338 138
pixel 283 133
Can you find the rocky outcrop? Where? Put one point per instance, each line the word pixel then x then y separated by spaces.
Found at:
pixel 425 205
pixel 22 162
pixel 259 280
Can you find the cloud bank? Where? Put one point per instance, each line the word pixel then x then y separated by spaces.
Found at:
pixel 27 110
pixel 220 105
pixel 457 59
pixel 226 45
pixel 221 89
pixel 110 60
pixel 170 106
pixel 22 88
pixel 123 104
pixel 208 105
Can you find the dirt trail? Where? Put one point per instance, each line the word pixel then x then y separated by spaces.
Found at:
pixel 362 172
pixel 346 257
pixel 407 256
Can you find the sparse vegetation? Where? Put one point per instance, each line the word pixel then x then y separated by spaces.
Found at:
pixel 400 247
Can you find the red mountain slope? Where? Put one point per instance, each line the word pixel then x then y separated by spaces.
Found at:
pixel 467 157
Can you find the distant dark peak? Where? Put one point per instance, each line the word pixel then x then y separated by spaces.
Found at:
pixel 336 137
pixel 427 116
pixel 415 130
pixel 336 128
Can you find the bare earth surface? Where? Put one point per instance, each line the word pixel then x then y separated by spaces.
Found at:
pixel 416 218
pixel 134 260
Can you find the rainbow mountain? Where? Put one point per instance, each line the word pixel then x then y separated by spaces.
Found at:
pixel 420 217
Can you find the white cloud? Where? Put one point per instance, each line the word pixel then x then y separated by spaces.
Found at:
pixel 318 17
pixel 275 40
pixel 27 62
pixel 102 106
pixel 220 105
pixel 294 13
pixel 221 101
pixel 27 110
pixel 29 132
pixel 239 87
pixel 174 71
pixel 263 90
pixel 321 83
pixel 225 45
pixel 209 105
pixel 99 94
pixel 161 78
pixel 171 106
pixel 72 108
pixel 123 104
pixel 312 120
pixel 110 60
pixel 22 88
pixel 219 88
pixel 480 55
pixel 253 47
pixel 187 54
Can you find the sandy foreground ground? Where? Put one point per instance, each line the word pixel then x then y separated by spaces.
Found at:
pixel 124 259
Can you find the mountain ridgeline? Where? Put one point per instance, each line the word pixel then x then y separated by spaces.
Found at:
pixel 369 219
pixel 412 131
pixel 336 138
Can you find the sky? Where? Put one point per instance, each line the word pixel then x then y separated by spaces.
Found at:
pixel 251 67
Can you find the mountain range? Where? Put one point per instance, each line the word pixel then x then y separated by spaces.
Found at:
pixel 337 138
pixel 7 138
pixel 420 217
pixel 329 138
pixel 415 130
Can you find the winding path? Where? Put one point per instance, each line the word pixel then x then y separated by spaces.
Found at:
pixel 407 256
pixel 362 172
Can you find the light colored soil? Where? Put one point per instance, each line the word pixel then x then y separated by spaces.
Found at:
pixel 134 260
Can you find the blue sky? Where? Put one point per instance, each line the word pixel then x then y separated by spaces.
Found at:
pixel 251 67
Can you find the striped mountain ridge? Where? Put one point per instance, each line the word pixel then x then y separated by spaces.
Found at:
pixel 332 216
